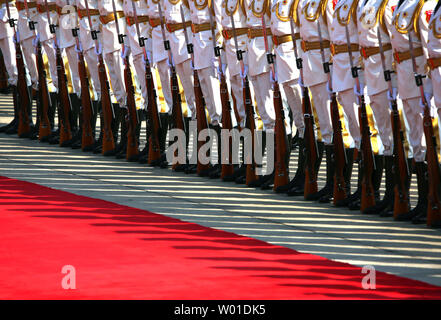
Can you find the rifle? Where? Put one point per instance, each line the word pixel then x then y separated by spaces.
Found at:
pixel 63 93
pixel 88 134
pixel 132 137
pixel 227 168
pixel 153 116
pixel 434 203
pixel 199 99
pixel 178 118
pixel 22 98
pixel 367 188
pixel 311 151
pixel 44 102
pixel 108 141
pixel 339 192
pixel 400 170
pixel 281 176
pixel 249 110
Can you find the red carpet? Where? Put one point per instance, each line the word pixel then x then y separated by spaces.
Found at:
pixel 125 253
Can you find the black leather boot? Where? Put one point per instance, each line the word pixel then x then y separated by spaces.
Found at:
pixel 387 203
pixel 420 210
pixel 269 183
pixel 217 168
pixel 122 148
pixel 12 127
pixel 95 109
pixel 327 190
pixel 376 183
pixel 73 116
pixel 298 190
pixel 299 177
pixel 354 197
pixel 166 121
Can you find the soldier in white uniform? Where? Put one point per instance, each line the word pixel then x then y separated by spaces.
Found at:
pixel 373 15
pixel 112 57
pixel 410 16
pixel 312 12
pixel 258 69
pixel 434 63
pixel 203 63
pixel 88 46
pixel 7 47
pixel 66 41
pixel 181 59
pixel 288 77
pixel 339 14
pixel 160 61
pixel 138 54
pixel 237 10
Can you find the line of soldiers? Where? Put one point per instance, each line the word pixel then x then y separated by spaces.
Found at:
pixel 230 57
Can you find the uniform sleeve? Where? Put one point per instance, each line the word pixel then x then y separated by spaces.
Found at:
pixel 329 13
pixel 388 13
pixel 423 25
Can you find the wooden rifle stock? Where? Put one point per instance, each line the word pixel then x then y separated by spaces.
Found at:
pixel 227 169
pixel 88 137
pixel 310 146
pixel 339 153
pixel 132 138
pixel 24 125
pixel 401 172
pixel 250 125
pixel 434 203
pixel 368 165
pixel 201 118
pixel 43 96
pixel 178 118
pixel 154 148
pixel 281 177
pixel 108 141
pixel 64 100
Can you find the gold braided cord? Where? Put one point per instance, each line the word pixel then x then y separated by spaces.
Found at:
pixel 320 11
pixel 227 11
pixel 413 21
pixel 380 15
pixel 203 5
pixel 351 12
pixel 256 13
pixel 293 11
pixel 432 26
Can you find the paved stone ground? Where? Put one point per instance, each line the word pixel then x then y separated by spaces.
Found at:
pixel 338 234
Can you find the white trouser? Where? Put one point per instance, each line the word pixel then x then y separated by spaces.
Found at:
pixel 116 73
pixel 415 119
pixel 264 96
pixel 8 50
pixel 30 58
pixel 185 73
pixel 92 64
pixel 49 49
pixel 72 58
pixel 293 94
pixel 138 63
pixel 347 99
pixel 320 97
pixel 237 91
pixel 380 106
pixel 211 91
pixel 164 76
